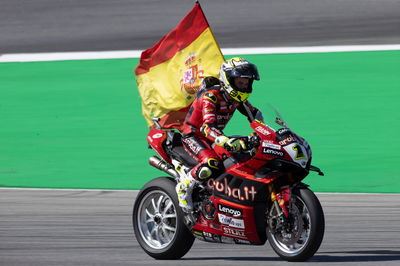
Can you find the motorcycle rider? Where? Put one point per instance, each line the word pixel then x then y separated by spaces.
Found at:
pixel 215 103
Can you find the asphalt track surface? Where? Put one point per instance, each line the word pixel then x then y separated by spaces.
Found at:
pixel 49 227
pixel 95 25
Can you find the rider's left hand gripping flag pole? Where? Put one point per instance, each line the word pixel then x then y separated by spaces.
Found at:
pixel 170 73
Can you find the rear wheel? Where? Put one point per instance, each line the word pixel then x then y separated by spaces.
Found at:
pixel 158 221
pixel 301 237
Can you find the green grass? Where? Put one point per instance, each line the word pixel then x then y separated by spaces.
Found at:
pixel 78 124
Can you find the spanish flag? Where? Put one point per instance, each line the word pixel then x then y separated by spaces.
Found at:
pixel 170 72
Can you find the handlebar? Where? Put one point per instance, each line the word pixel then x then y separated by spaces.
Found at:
pixel 250 141
pixel 254 141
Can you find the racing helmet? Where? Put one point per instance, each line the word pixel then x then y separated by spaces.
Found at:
pixel 238 68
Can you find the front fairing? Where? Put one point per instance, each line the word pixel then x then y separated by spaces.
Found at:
pixel 278 141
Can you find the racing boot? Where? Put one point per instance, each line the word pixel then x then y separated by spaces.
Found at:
pixel 185 187
pixel 184 191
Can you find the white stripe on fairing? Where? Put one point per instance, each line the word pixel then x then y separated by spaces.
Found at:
pixel 33 57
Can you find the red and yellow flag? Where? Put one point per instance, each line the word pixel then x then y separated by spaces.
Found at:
pixel 170 72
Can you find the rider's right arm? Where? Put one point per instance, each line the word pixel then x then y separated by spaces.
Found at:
pixel 209 128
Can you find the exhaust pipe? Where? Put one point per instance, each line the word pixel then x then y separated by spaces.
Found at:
pixel 163 166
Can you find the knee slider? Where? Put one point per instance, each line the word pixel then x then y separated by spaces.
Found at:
pixel 204 172
pixel 208 169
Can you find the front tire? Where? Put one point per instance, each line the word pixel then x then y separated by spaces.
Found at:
pixel 308 226
pixel 158 221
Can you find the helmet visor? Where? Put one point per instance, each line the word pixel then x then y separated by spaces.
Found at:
pixel 244 71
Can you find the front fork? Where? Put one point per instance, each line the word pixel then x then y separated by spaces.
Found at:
pixel 280 202
pixel 280 199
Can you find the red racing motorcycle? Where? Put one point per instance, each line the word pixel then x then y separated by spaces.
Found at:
pixel 259 197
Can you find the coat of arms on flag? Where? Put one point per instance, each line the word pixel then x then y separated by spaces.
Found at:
pixel 169 73
pixel 191 76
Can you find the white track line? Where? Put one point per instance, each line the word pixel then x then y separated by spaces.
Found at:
pixel 34 57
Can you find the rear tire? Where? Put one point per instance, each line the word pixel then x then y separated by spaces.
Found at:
pixel 302 243
pixel 158 221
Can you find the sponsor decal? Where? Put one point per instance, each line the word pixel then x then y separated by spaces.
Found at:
pixel 192 145
pixel 224 117
pixel 211 237
pixel 272 152
pixel 234 232
pixel 283 131
pixel 229 210
pixel 247 193
pixel 286 141
pixel 207 234
pixel 233 222
pixel 157 136
pixel 271 145
pixel 262 130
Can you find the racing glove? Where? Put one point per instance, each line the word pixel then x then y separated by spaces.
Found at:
pixel 230 144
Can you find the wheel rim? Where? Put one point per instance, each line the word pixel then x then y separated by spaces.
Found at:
pixel 157 219
pixel 294 242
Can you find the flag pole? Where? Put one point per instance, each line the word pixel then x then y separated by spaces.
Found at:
pixel 212 34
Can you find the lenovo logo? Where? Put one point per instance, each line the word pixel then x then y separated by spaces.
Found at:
pixel 229 211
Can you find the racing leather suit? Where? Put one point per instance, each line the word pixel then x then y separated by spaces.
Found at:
pixel 207 117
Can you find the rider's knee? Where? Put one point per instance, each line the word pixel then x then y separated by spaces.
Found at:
pixel 204 172
pixel 211 167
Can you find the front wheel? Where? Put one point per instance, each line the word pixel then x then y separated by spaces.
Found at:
pixel 158 221
pixel 301 236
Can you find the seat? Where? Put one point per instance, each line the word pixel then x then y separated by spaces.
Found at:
pixel 177 151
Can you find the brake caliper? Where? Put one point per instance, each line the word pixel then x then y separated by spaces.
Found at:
pixel 283 198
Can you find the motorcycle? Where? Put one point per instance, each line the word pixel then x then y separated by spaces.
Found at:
pixel 259 197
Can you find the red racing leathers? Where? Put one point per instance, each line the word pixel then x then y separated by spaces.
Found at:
pixel 207 117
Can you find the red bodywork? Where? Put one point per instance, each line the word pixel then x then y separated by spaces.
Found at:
pixel 226 220
pixel 156 138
